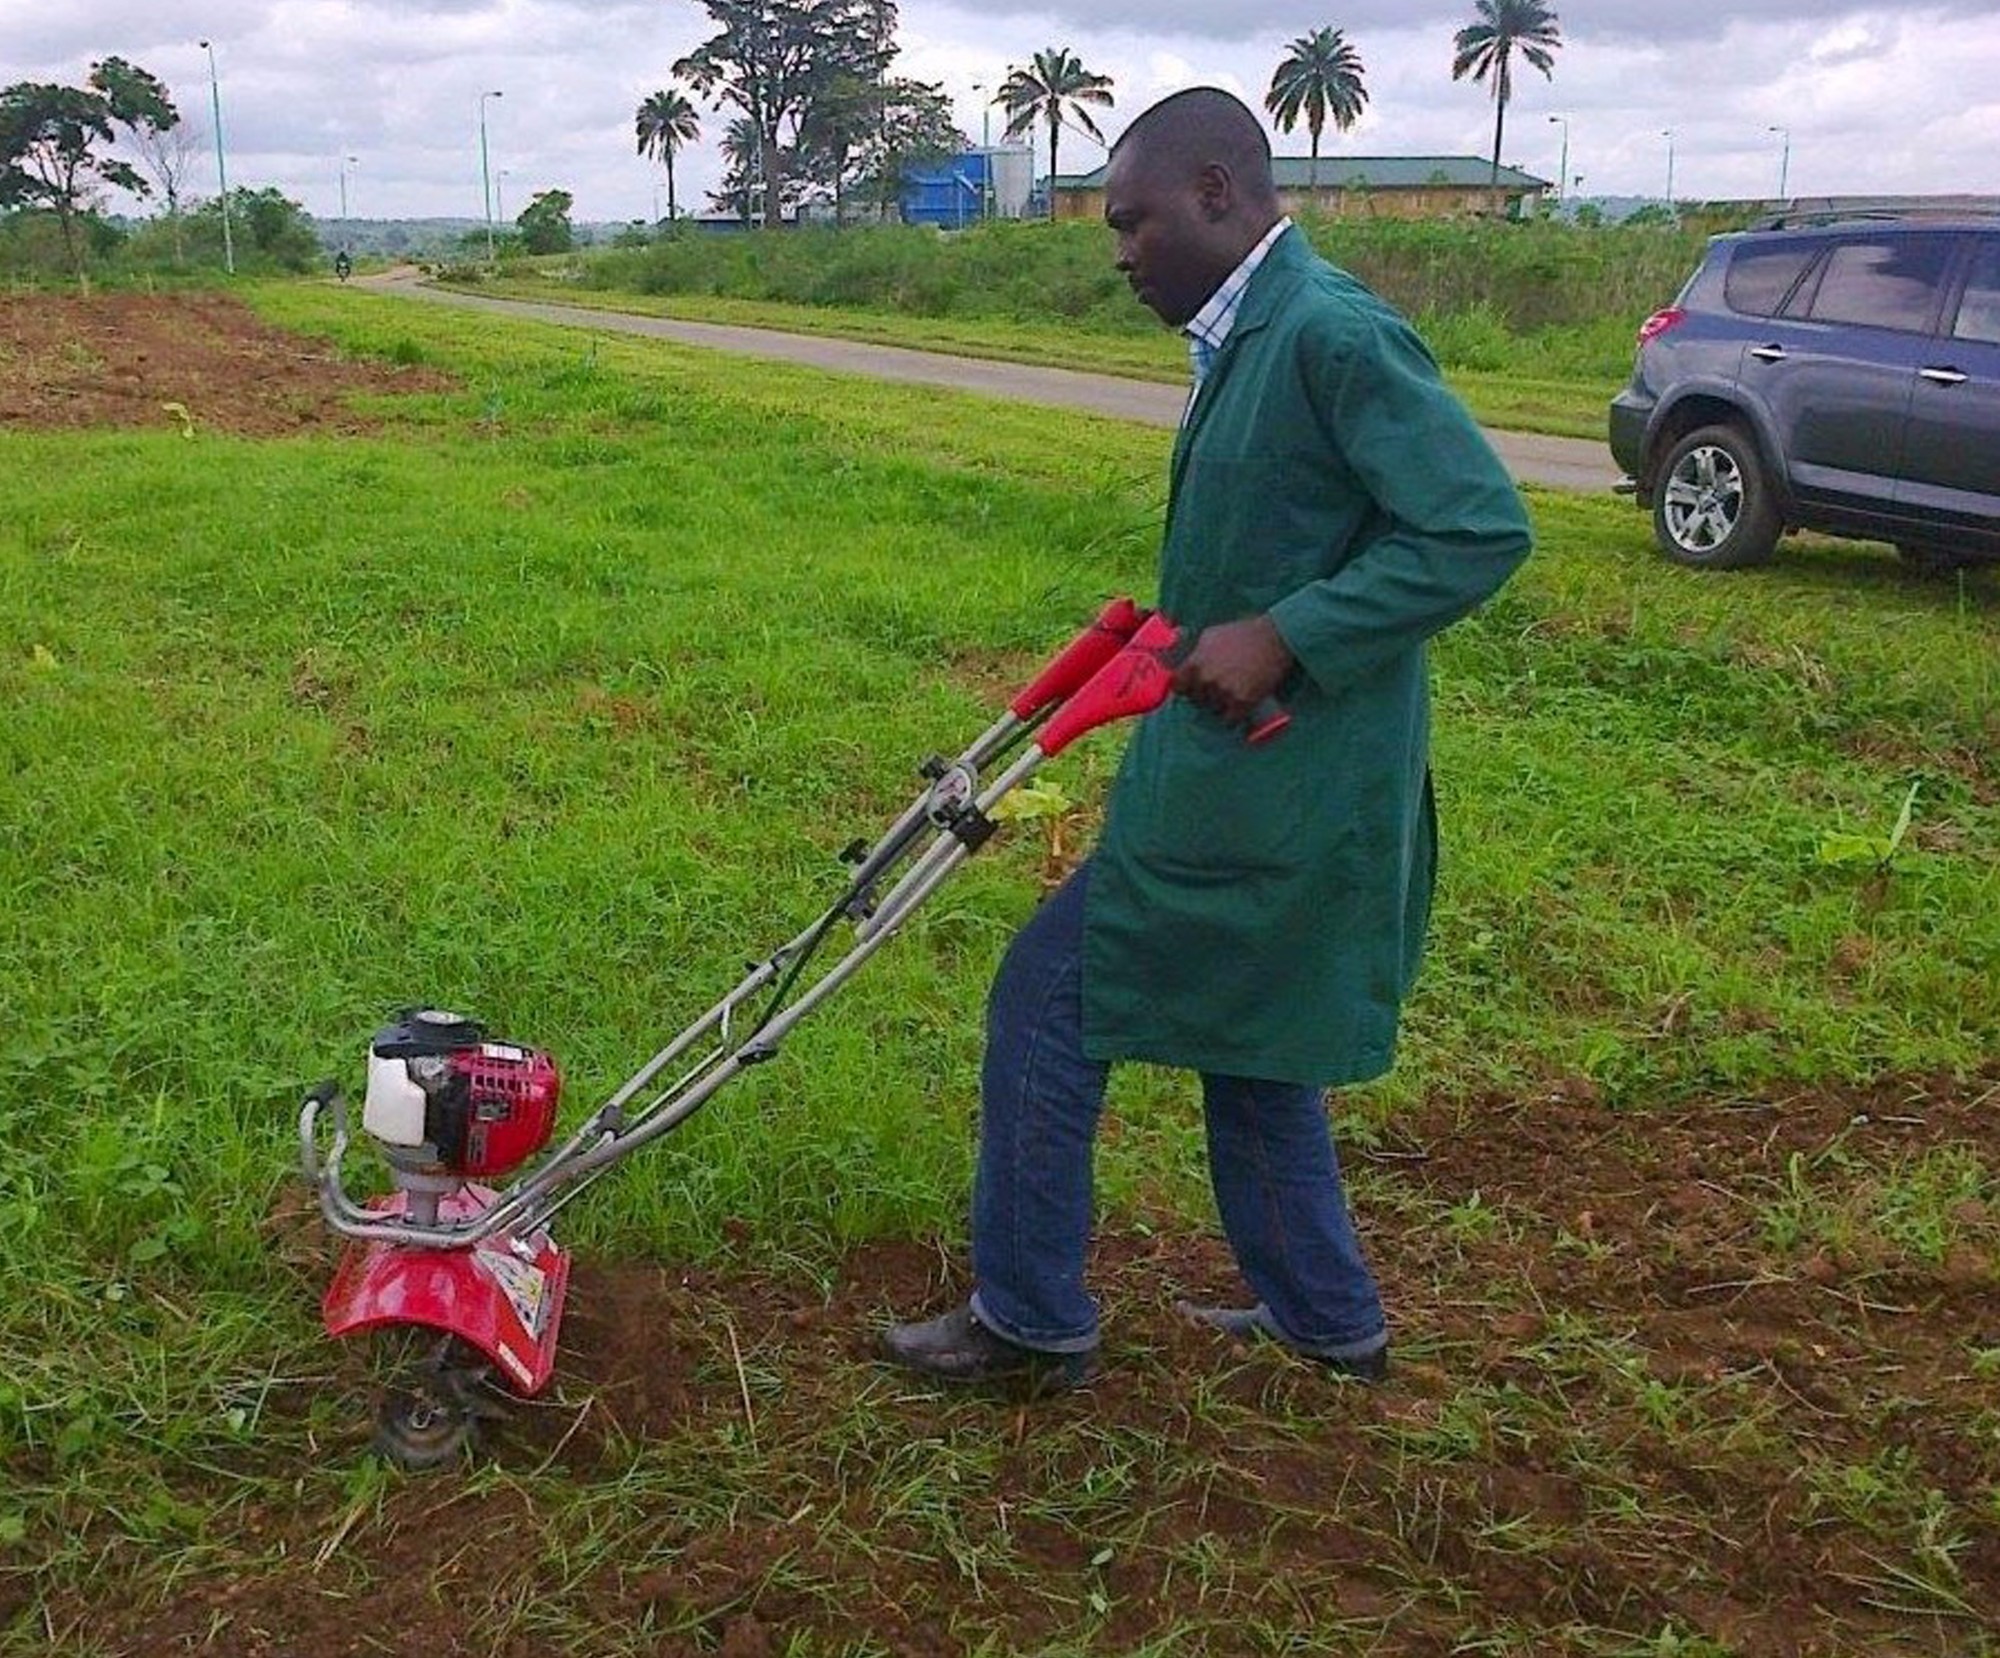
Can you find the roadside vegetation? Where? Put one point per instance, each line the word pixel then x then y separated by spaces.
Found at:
pixel 1534 323
pixel 554 696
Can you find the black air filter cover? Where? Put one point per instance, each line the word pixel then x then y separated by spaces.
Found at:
pixel 428 1032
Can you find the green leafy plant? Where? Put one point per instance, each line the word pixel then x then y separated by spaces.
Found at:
pixel 1846 848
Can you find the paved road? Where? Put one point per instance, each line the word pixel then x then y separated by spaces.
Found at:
pixel 1561 463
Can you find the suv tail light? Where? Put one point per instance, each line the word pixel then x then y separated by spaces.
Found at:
pixel 1659 322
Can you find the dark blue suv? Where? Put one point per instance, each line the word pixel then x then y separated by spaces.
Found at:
pixel 1838 371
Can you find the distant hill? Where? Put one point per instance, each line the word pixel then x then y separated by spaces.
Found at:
pixel 397 238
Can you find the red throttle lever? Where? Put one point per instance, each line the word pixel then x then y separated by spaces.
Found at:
pixel 1072 669
pixel 1136 681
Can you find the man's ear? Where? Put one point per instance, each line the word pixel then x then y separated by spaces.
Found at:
pixel 1215 190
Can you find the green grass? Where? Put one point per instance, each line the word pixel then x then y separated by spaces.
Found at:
pixel 572 692
pixel 557 700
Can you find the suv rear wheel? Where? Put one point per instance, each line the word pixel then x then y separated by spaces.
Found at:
pixel 1713 507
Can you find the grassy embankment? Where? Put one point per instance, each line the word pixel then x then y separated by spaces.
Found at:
pixel 1532 323
pixel 556 700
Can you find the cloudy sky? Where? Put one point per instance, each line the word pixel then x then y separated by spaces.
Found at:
pixel 1892 98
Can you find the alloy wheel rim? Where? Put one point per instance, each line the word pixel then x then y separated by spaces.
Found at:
pixel 1704 499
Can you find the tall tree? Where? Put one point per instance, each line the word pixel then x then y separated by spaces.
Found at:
pixel 142 105
pixel 170 156
pixel 662 124
pixel 1054 88
pixel 50 138
pixel 1485 48
pixel 1321 78
pixel 843 118
pixel 773 59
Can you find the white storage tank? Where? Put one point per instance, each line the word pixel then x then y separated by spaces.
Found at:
pixel 1013 174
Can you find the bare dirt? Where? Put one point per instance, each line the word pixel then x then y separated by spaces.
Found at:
pixel 201 361
pixel 1624 1400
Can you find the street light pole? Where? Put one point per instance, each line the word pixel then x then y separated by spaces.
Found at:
pixel 1784 159
pixel 1668 134
pixel 486 176
pixel 346 162
pixel 985 144
pixel 1562 171
pixel 221 169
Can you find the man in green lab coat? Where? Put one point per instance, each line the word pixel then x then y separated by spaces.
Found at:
pixel 1253 913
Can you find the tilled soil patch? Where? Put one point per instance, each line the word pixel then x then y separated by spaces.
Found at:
pixel 1633 1402
pixel 180 362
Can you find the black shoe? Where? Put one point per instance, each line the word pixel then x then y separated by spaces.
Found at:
pixel 1250 1324
pixel 958 1348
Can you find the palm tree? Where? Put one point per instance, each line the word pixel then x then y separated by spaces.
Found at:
pixel 743 150
pixel 1057 79
pixel 1322 77
pixel 662 124
pixel 1485 49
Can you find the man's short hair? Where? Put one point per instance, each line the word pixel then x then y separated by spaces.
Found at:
pixel 1190 130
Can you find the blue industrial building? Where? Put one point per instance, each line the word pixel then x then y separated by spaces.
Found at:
pixel 986 183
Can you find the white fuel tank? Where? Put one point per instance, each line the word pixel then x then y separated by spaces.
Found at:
pixel 394 1109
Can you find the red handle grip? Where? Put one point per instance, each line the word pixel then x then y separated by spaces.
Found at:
pixel 1081 658
pixel 1136 681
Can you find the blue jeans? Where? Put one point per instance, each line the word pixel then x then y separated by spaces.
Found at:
pixel 1271 1159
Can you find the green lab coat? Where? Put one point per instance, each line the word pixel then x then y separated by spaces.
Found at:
pixel 1261 911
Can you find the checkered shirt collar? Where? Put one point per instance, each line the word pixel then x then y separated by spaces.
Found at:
pixel 1209 327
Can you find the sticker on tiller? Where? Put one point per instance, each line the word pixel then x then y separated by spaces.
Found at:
pixel 526 1288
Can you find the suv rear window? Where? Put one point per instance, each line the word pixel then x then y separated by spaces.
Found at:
pixel 1979 309
pixel 1759 278
pixel 1890 283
